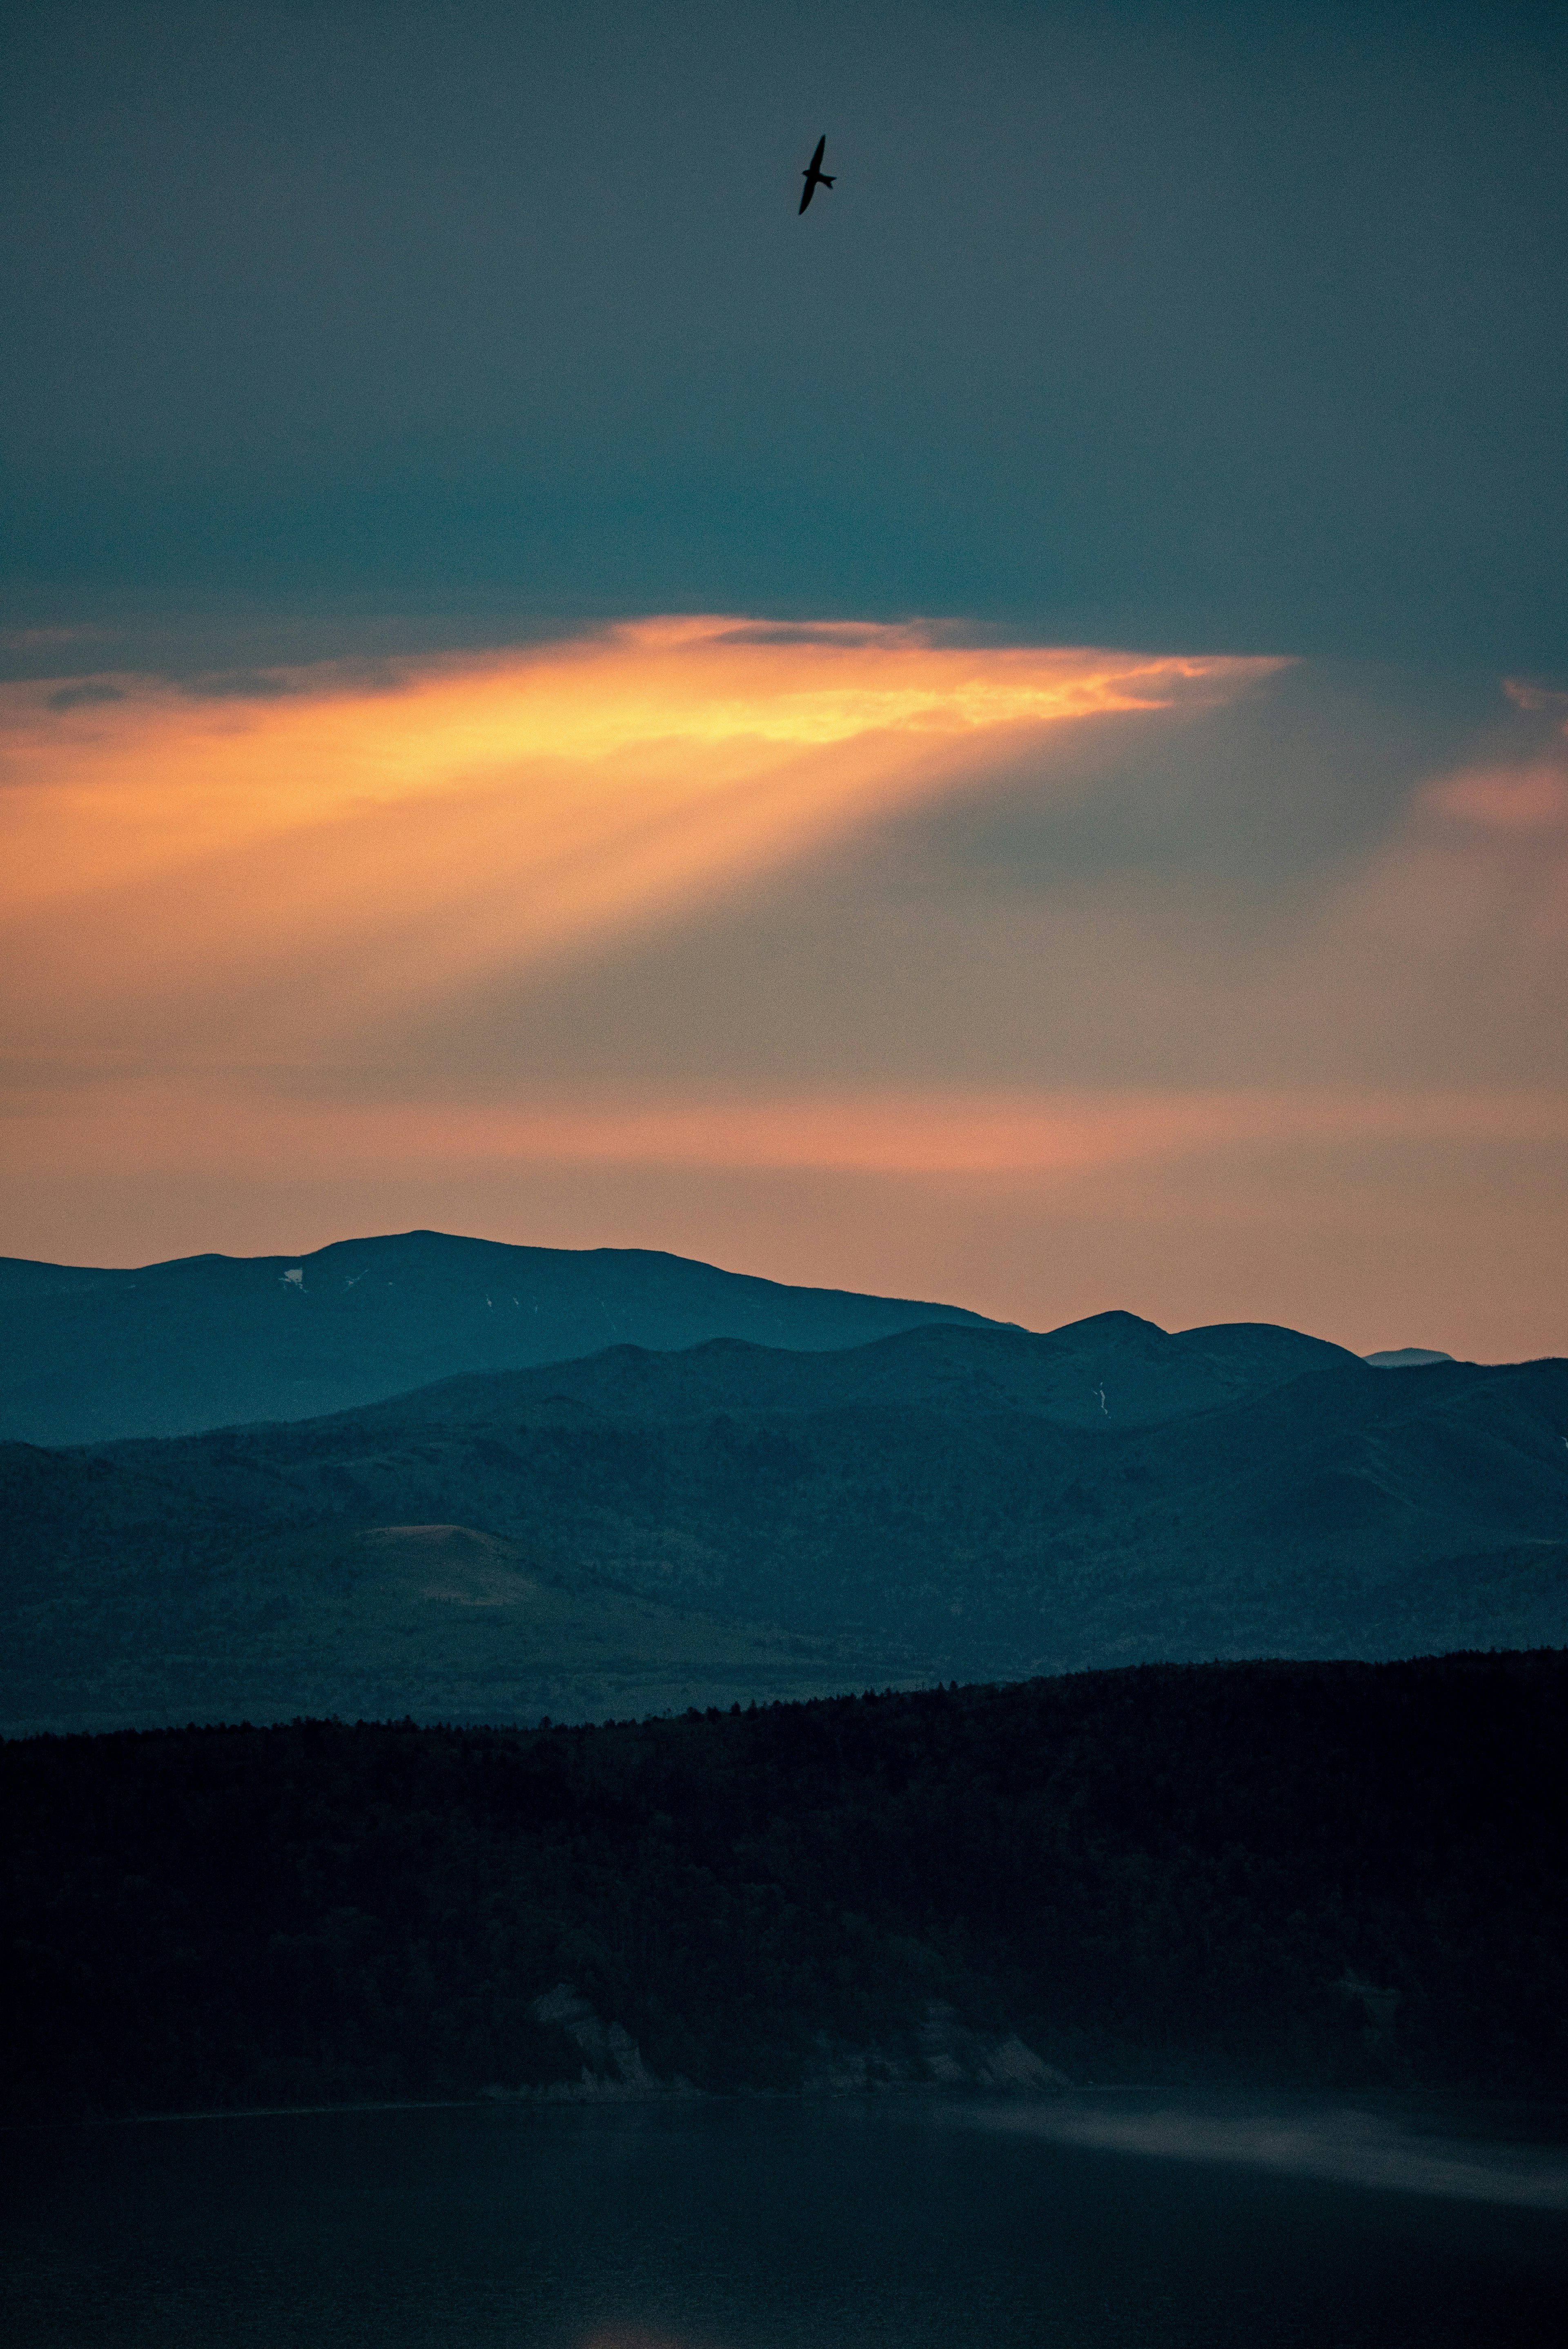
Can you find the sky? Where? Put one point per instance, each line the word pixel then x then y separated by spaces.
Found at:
pixel 1005 739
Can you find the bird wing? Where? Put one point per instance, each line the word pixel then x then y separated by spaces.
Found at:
pixel 810 192
pixel 816 163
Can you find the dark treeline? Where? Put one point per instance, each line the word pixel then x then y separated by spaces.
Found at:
pixel 1308 1874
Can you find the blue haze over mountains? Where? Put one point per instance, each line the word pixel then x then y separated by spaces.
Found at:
pixel 823 1492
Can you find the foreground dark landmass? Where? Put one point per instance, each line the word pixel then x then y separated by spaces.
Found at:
pixel 91 1354
pixel 641 1531
pixel 1307 1875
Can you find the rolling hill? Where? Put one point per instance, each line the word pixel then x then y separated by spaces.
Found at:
pixel 639 1531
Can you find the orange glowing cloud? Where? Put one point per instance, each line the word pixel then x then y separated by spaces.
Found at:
pixel 1503 798
pixel 340 844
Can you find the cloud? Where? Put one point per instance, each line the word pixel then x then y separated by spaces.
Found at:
pixel 1541 698
pixel 1229 343
pixel 1523 800
pixel 344 846
pixel 83 696
pixel 38 640
pixel 242 685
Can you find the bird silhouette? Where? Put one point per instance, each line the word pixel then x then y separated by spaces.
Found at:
pixel 814 175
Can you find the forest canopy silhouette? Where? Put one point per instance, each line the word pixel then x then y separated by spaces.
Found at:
pixel 1309 1875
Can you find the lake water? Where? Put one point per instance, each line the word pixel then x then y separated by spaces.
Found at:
pixel 1098 2221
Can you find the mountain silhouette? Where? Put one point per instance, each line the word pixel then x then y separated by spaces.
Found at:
pixel 207 1341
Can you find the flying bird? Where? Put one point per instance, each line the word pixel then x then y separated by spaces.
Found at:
pixel 814 175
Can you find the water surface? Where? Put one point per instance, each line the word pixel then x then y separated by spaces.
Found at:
pixel 781 2226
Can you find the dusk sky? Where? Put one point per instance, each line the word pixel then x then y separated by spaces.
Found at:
pixel 1005 740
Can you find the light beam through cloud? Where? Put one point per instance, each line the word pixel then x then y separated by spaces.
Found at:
pixel 341 844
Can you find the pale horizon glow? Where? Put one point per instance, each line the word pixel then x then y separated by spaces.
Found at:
pixel 161 1127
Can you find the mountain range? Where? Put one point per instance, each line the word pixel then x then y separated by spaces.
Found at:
pixel 207 1341
pixel 640 1531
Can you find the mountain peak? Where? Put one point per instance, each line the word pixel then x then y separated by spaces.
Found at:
pixel 1114 1323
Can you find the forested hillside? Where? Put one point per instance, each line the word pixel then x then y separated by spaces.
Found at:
pixel 1307 1874
pixel 642 1531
